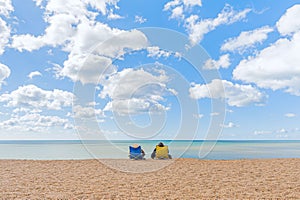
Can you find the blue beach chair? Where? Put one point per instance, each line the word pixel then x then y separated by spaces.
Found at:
pixel 135 152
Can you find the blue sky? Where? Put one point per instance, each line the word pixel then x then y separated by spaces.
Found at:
pixel 179 69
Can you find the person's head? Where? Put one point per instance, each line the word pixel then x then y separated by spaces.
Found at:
pixel 135 145
pixel 160 144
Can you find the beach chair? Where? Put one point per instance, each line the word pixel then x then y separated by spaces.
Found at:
pixel 135 152
pixel 162 152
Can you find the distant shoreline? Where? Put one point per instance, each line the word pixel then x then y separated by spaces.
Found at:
pixel 210 150
pixel 80 141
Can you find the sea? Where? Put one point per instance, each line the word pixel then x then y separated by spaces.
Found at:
pixel 199 149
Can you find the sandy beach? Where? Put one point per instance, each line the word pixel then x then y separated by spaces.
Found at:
pixel 179 179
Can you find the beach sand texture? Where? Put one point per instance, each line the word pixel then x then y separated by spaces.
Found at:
pixel 182 179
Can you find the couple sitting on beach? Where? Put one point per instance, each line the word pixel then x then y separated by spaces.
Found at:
pixel 161 151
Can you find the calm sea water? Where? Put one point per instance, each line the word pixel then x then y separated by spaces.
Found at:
pixel 221 150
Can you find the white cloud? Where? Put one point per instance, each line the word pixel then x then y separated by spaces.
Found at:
pixel 223 62
pixel 171 4
pixel 214 114
pixel 187 4
pixel 113 16
pixel 38 2
pixel 102 5
pixel 246 39
pixel 86 112
pixel 177 13
pixel 64 19
pixel 229 111
pixel 5 35
pixel 35 122
pixel 130 82
pixel 139 19
pixel 123 42
pixel 275 67
pixel 135 91
pixel 192 3
pixel 30 96
pixel 198 28
pixel 6 7
pixel 229 125
pixel 290 115
pixel 134 106
pixel 289 23
pixel 4 73
pixel 72 27
pixel 178 7
pixel 235 94
pixel 19 110
pixel 155 51
pixel 88 67
pixel 281 131
pixel 198 116
pixel 33 74
pixel 26 42
pixel 58 32
pixel 262 132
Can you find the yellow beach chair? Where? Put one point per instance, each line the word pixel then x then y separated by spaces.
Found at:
pixel 162 152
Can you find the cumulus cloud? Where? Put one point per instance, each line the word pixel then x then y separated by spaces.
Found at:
pixel 178 7
pixel 223 62
pixel 72 26
pixel 127 40
pixel 129 82
pixel 66 20
pixel 70 21
pixel 26 42
pixel 33 74
pixel 113 16
pixel 5 35
pixel 177 13
pixel 277 66
pixel 102 5
pixel 35 122
pixel 6 7
pixel 289 23
pixel 31 96
pixel 89 67
pixel 4 73
pixel 155 51
pixel 86 68
pixel 136 91
pixel 86 112
pixel 197 28
pixel 185 3
pixel 134 106
pixel 246 39
pixel 235 94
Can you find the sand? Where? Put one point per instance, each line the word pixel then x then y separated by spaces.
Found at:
pixel 178 179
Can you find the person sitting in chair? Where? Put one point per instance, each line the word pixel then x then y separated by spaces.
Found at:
pixel 161 151
pixel 136 152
